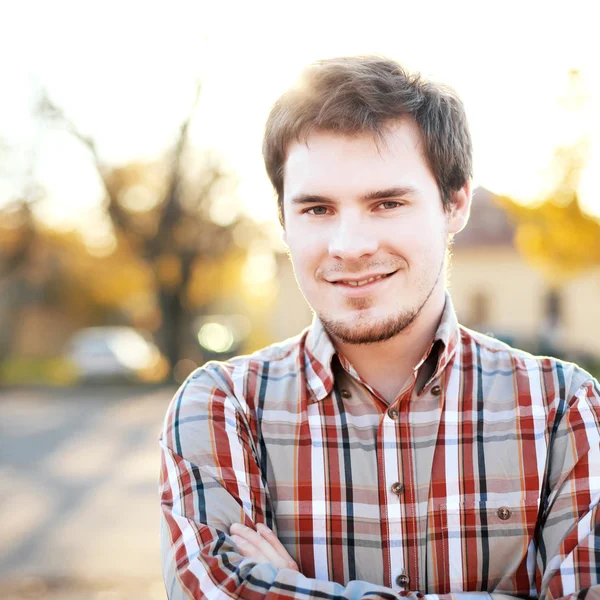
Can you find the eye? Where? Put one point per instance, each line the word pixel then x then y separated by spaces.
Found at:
pixel 317 210
pixel 389 204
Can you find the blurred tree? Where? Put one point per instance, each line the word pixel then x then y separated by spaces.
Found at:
pixel 20 284
pixel 17 235
pixel 161 230
pixel 555 235
pixel 38 276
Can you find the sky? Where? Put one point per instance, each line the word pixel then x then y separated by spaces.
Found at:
pixel 125 73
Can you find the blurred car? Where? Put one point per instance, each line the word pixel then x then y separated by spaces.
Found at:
pixel 115 354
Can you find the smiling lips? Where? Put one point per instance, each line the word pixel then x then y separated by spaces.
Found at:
pixel 361 282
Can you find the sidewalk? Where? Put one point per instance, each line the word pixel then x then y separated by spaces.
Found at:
pixel 79 513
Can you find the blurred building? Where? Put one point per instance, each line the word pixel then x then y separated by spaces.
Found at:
pixel 494 291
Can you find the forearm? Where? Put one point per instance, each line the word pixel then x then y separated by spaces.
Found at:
pixel 472 596
pixel 222 573
pixel 199 558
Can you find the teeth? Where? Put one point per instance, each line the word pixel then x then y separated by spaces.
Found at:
pixel 363 282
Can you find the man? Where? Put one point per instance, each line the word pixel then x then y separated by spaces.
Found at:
pixel 386 451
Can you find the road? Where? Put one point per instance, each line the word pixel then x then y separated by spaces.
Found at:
pixel 79 512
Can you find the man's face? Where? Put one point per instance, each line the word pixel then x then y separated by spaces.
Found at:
pixel 366 230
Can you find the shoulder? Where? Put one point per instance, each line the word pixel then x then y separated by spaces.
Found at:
pixel 226 376
pixel 557 379
pixel 219 389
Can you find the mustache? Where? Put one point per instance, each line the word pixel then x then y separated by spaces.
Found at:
pixel 356 268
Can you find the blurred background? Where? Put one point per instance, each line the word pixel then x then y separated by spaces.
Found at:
pixel 139 237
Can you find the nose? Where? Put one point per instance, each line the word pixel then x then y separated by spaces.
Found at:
pixel 352 239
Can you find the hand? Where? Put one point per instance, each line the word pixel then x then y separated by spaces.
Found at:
pixel 261 545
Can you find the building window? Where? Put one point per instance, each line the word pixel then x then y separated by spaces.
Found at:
pixel 480 310
pixel 550 335
pixel 553 308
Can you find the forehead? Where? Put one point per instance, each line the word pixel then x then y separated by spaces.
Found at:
pixel 329 162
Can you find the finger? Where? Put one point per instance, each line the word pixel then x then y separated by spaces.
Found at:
pixel 248 550
pixel 265 548
pixel 268 535
pixel 253 538
pixel 249 535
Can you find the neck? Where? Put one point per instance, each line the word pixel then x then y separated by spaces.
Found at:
pixel 388 365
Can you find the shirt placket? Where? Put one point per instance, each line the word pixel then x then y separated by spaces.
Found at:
pixel 397 490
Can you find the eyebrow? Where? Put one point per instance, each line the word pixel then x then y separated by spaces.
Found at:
pixel 393 192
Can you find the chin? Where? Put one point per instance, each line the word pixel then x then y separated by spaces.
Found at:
pixel 368 329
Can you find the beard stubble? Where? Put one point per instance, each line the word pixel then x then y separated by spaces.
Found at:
pixel 378 330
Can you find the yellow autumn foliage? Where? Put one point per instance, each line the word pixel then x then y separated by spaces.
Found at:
pixel 215 278
pixel 556 236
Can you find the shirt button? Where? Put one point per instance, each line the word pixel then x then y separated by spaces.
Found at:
pixel 403 580
pixel 436 390
pixel 345 393
pixel 393 413
pixel 504 513
pixel 397 488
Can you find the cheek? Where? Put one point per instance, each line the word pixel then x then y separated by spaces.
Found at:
pixel 420 246
pixel 305 257
pixel 305 245
pixel 428 230
pixel 409 241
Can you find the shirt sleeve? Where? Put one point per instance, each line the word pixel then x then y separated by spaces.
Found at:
pixel 210 479
pixel 568 558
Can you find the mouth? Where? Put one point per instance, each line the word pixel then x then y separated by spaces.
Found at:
pixel 365 282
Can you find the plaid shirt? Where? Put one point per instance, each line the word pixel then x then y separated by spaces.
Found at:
pixel 482 476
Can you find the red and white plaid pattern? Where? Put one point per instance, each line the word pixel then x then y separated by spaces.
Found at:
pixel 483 475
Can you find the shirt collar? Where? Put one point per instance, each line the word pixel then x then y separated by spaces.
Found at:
pixel 318 354
pixel 319 351
pixel 448 334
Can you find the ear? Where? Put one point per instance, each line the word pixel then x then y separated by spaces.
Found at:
pixel 460 209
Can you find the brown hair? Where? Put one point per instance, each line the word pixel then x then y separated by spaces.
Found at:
pixel 353 95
